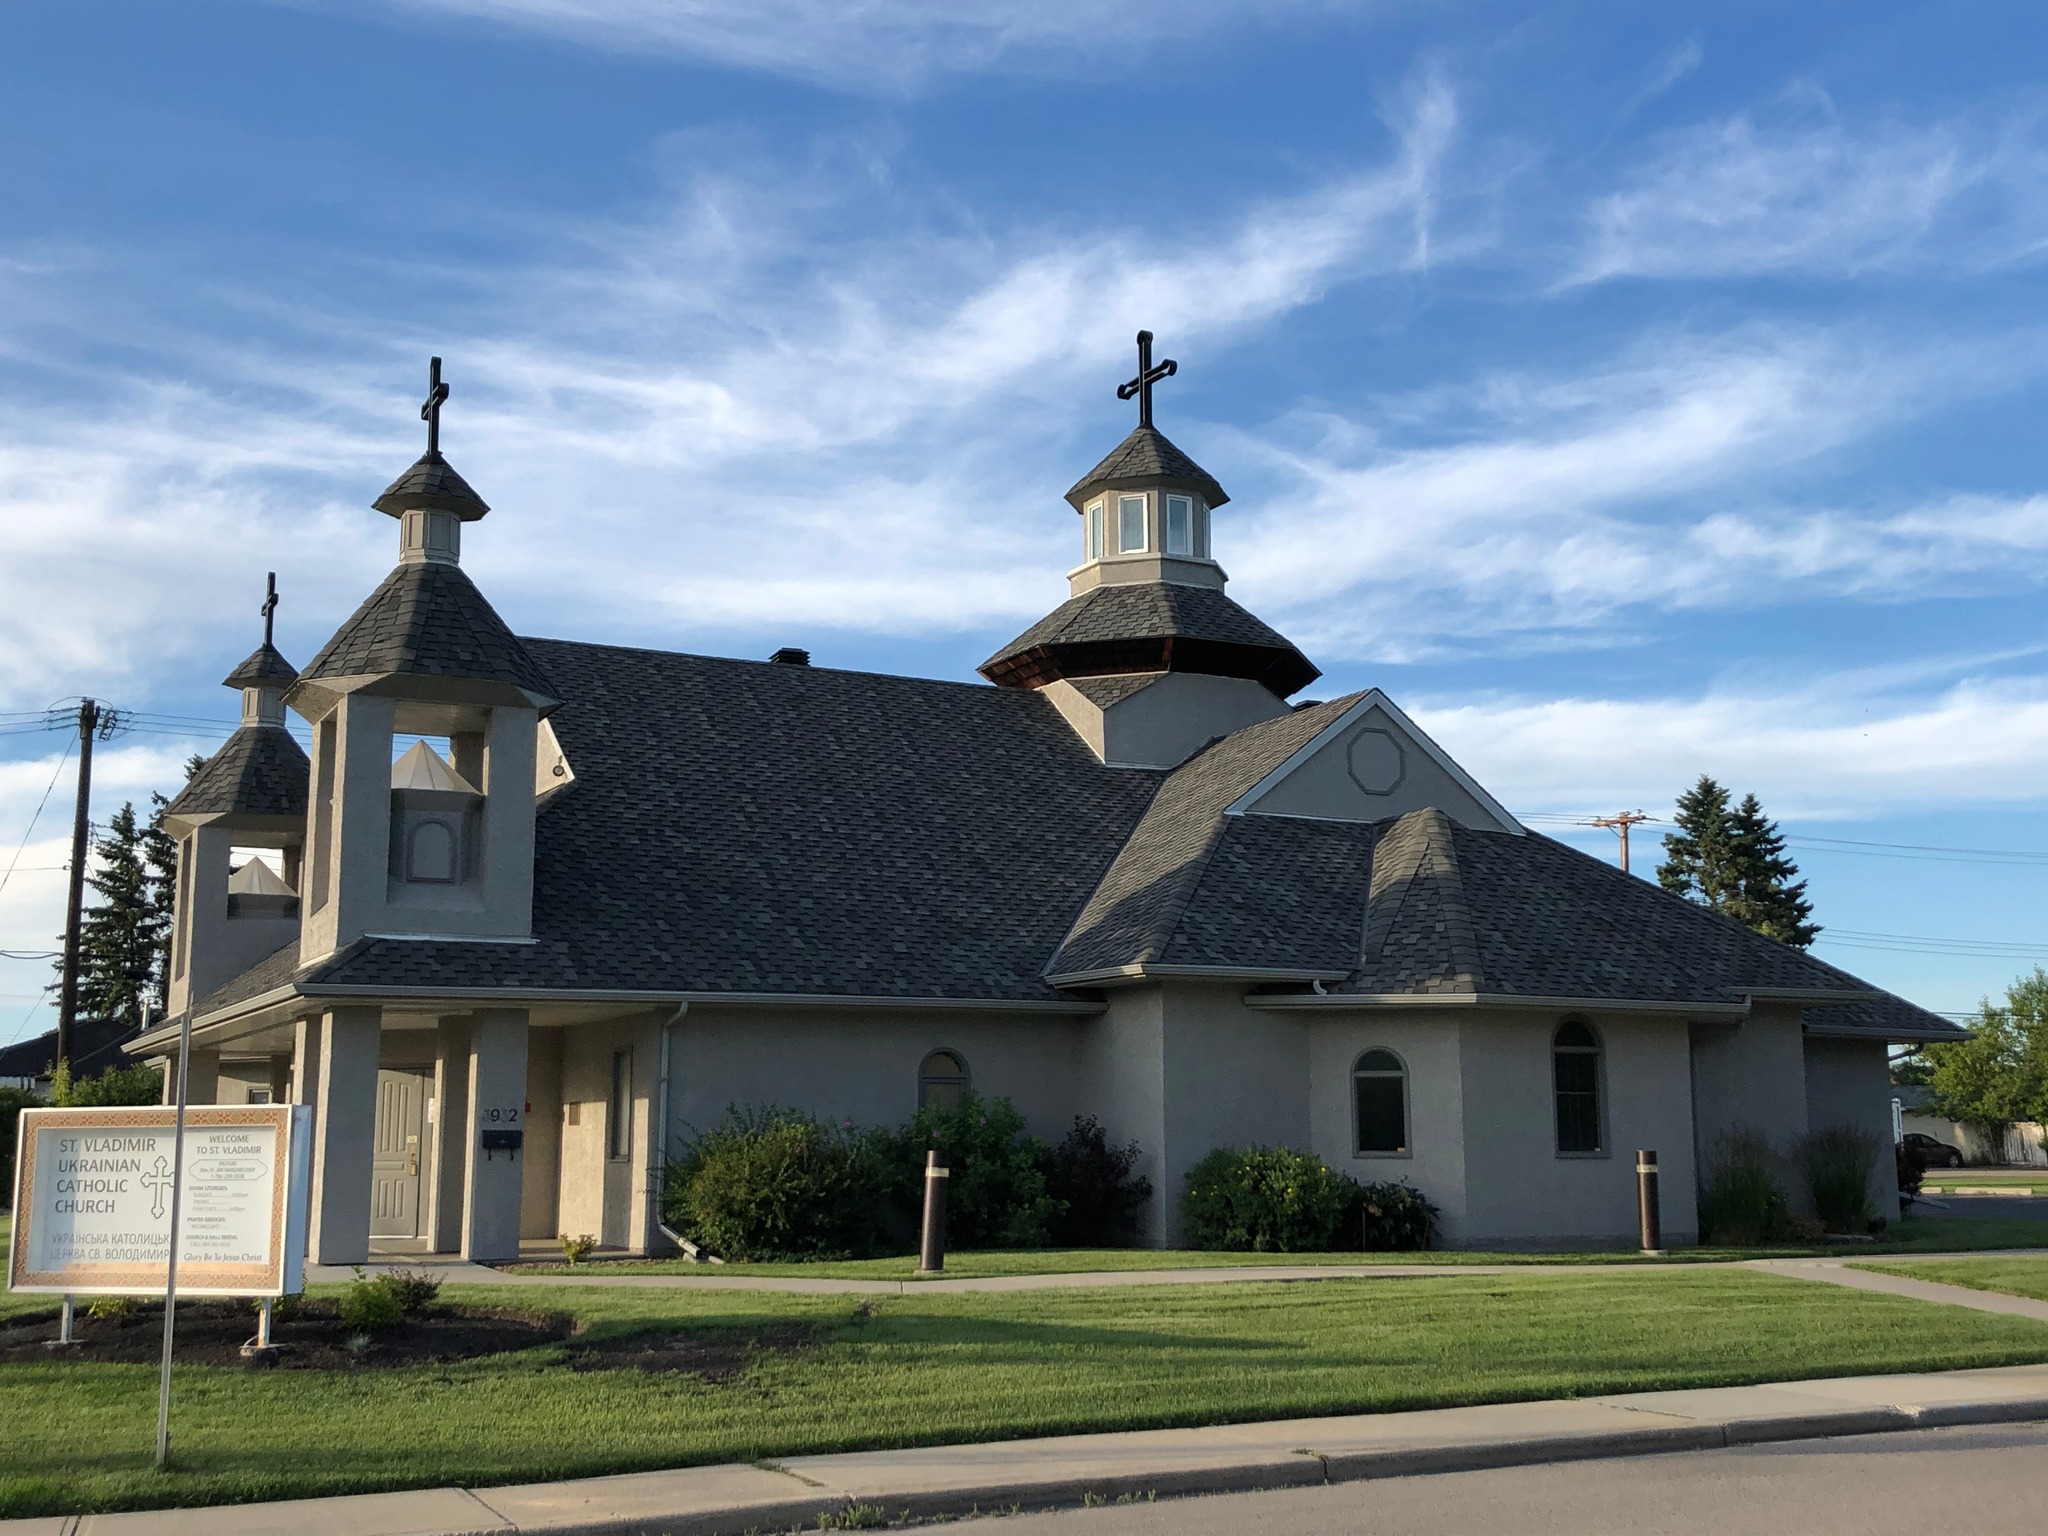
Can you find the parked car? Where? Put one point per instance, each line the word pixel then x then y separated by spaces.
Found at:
pixel 1933 1153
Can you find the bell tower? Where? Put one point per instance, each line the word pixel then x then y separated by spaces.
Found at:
pixel 1149 659
pixel 431 838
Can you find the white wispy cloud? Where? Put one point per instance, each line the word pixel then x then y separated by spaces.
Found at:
pixel 1830 747
pixel 1800 189
pixel 880 45
pixel 1568 503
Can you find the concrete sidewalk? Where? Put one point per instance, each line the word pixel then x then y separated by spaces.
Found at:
pixel 1075 1469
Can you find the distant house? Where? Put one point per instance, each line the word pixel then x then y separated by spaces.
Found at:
pixel 2023 1142
pixel 96 1045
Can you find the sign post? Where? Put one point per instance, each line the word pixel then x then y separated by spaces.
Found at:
pixel 163 1389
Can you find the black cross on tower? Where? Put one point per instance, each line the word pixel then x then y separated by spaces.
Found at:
pixel 1148 375
pixel 269 606
pixel 430 413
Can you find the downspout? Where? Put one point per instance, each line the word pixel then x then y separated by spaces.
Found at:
pixel 660 1161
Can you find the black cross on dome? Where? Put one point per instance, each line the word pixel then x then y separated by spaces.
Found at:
pixel 430 412
pixel 1148 375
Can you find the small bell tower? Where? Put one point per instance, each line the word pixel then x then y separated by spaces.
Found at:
pixel 251 794
pixel 434 838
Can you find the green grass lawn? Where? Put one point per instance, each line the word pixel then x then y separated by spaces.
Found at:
pixel 1910 1234
pixel 2015 1277
pixel 929 1368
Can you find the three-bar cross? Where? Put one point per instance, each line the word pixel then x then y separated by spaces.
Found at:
pixel 1148 375
pixel 430 413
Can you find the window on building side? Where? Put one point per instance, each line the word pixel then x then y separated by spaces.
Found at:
pixel 1180 526
pixel 1130 524
pixel 1379 1092
pixel 1201 532
pixel 942 1080
pixel 1575 1072
pixel 1095 531
pixel 618 1122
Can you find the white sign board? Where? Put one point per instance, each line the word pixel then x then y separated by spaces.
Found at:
pixel 92 1201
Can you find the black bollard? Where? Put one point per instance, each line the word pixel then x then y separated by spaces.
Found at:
pixel 931 1257
pixel 1647 1209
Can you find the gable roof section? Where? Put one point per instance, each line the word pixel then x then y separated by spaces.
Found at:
pixel 428 619
pixel 1131 917
pixel 259 771
pixel 741 827
pixel 1145 458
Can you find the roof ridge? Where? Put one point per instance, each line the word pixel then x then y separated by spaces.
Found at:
pixel 1434 866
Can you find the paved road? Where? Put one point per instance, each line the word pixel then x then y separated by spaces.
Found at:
pixel 2001 1207
pixel 1942 1480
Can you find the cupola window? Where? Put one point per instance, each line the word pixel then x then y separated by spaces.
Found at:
pixel 1095 531
pixel 1201 531
pixel 1180 525
pixel 1130 518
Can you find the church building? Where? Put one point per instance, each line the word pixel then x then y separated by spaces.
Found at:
pixel 536 911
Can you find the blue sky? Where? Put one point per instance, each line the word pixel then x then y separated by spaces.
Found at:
pixel 1632 391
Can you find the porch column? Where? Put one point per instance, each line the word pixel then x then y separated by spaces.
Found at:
pixel 497 1104
pixel 344 1135
pixel 452 1133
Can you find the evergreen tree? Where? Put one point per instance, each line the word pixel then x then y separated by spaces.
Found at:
pixel 1768 898
pixel 1700 857
pixel 1732 859
pixel 160 855
pixel 120 938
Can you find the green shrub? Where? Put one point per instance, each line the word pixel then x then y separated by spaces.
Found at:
pixel 121 1311
pixel 997 1194
pixel 1395 1218
pixel 12 1102
pixel 776 1183
pixel 1266 1200
pixel 578 1248
pixel 1838 1160
pixel 1742 1204
pixel 371 1306
pixel 139 1084
pixel 415 1291
pixel 1093 1180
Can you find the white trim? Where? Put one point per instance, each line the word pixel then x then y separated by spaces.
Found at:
pixel 1592 1005
pixel 1147 971
pixel 451 938
pixel 1374 699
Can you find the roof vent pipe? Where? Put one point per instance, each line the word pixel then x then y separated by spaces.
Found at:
pixel 791 656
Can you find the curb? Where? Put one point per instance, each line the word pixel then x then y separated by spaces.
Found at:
pixel 579 1509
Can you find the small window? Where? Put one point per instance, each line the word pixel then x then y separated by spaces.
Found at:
pixel 1180 526
pixel 1201 532
pixel 1130 520
pixel 618 1123
pixel 1575 1072
pixel 256 1096
pixel 1095 531
pixel 942 1080
pixel 430 853
pixel 1379 1090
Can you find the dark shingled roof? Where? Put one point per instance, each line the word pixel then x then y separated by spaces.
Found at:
pixel 260 771
pixel 95 1046
pixel 428 618
pixel 266 975
pixel 1150 626
pixel 264 668
pixel 1105 691
pixel 432 482
pixel 746 827
pixel 1146 458
pixel 741 827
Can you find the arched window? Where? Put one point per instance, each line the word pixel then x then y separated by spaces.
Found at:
pixel 1575 1077
pixel 430 853
pixel 941 1080
pixel 1379 1095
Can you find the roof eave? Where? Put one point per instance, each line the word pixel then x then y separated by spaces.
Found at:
pixel 1687 1009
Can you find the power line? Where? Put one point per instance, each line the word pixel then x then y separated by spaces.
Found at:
pixel 35 818
pixel 1928 944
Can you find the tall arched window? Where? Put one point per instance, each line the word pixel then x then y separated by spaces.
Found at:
pixel 1379 1097
pixel 1575 1077
pixel 942 1080
pixel 430 853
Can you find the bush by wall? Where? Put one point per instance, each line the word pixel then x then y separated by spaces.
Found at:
pixel 1838 1160
pixel 1267 1200
pixel 1742 1204
pixel 775 1183
pixel 1394 1218
pixel 997 1194
pixel 1094 1181
pixel 139 1084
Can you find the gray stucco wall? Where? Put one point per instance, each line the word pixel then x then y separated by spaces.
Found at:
pixel 1751 1074
pixel 1849 1082
pixel 1430 1046
pixel 1520 1190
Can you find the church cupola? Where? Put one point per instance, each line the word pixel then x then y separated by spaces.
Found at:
pixel 1149 659
pixel 436 841
pixel 247 800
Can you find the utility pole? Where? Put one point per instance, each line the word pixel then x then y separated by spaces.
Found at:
pixel 89 723
pixel 1620 823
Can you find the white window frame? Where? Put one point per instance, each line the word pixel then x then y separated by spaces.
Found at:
pixel 1201 529
pixel 1123 506
pixel 1093 539
pixel 1184 508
